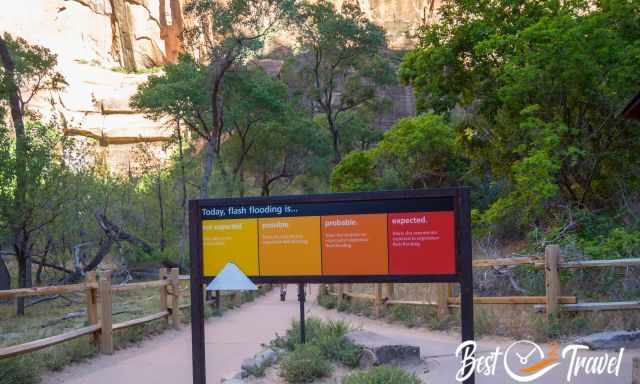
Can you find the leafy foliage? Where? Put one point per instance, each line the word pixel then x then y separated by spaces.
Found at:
pixel 416 152
pixel 340 52
pixel 541 84
pixel 328 337
pixel 304 364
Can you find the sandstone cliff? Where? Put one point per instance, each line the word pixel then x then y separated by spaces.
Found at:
pixel 100 43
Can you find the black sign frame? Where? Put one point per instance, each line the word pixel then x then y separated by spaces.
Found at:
pixel 459 197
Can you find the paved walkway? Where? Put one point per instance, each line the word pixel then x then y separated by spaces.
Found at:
pixel 166 359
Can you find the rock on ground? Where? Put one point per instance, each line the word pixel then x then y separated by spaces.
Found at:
pixel 258 362
pixel 611 340
pixel 378 349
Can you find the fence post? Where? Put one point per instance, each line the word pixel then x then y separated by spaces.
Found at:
pixel 340 294
pixel 635 373
pixel 106 331
pixel 163 292
pixel 175 301
pixel 237 299
pixel 552 278
pixel 388 291
pixel 442 300
pixel 92 304
pixel 377 288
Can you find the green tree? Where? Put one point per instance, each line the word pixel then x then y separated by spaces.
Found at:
pixel 341 63
pixel 231 32
pixel 417 152
pixel 541 83
pixel 283 152
pixel 254 102
pixel 28 157
pixel 355 173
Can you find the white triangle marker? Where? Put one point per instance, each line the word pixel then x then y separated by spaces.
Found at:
pixel 231 278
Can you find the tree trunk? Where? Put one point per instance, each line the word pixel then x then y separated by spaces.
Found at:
pixel 336 148
pixel 266 185
pixel 23 254
pixel 241 186
pixel 183 197
pixel 335 141
pixel 161 207
pixel 5 276
pixel 207 169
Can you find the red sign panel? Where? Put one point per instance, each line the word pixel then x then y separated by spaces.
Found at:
pixel 421 243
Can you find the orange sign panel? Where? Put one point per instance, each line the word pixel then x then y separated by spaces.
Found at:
pixel 354 244
pixel 290 246
pixel 230 240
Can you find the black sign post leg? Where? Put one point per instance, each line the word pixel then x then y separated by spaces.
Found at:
pixel 301 299
pixel 197 306
pixel 466 272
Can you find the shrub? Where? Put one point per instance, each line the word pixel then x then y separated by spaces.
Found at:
pixel 406 315
pixel 335 346
pixel 59 356
pixel 304 364
pixel 313 327
pixel 360 307
pixel 328 337
pixel 327 301
pixel 440 324
pixel 382 375
pixel 19 370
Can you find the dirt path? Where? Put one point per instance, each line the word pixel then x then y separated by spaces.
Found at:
pixel 166 359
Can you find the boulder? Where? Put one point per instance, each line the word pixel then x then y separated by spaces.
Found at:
pixel 377 349
pixel 611 340
pixel 258 362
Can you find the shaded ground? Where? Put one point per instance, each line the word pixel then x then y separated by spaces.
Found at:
pixel 240 333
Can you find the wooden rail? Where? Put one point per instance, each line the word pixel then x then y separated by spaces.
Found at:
pixel 600 263
pixel 141 320
pixel 509 261
pixel 31 346
pixel 138 286
pixel 99 293
pixel 41 291
pixel 552 302
pixel 595 307
pixel 455 301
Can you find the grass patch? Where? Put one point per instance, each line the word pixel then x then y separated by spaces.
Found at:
pixel 326 338
pixel 327 301
pixel 19 370
pixel 305 364
pixel 382 375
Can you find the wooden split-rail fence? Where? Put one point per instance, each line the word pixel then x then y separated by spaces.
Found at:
pixel 552 302
pixel 98 299
pixel 99 292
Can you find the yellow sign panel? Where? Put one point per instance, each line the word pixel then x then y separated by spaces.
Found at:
pixel 290 246
pixel 230 240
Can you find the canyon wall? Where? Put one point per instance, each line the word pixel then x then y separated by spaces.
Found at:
pixel 104 45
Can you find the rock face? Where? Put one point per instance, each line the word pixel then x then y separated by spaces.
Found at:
pixel 379 349
pixel 101 44
pixel 400 18
pixel 97 42
pixel 611 340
